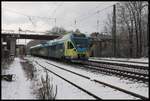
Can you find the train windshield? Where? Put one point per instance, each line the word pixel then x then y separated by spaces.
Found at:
pixel 81 43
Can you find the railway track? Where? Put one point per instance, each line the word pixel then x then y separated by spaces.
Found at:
pixel 86 77
pixel 140 73
pixel 84 90
pixel 121 61
pixel 141 67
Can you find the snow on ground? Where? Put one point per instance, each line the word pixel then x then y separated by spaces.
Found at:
pixel 143 59
pixel 139 88
pixel 20 88
pixel 99 90
pixel 64 89
pixel 123 59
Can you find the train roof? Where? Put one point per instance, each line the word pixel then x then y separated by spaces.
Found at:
pixel 59 40
pixel 64 37
pixel 46 44
pixel 35 46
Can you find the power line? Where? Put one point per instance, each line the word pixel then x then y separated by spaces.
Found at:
pixel 29 16
pixel 56 8
pixel 92 9
pixel 80 20
pixel 97 12
pixel 88 11
pixel 15 12
pixel 80 3
pixel 32 21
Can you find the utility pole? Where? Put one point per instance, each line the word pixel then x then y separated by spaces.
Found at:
pixel 114 31
pixel 98 26
pixel 55 22
pixel 19 33
pixel 25 37
pixel 148 32
pixel 25 50
pixel 75 22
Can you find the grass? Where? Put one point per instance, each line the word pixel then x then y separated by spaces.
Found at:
pixel 42 88
pixel 47 89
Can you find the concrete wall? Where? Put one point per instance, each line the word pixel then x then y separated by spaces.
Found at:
pixel 12 46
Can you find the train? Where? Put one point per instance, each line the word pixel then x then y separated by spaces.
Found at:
pixel 69 47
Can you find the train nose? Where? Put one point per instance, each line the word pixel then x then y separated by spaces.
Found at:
pixel 81 49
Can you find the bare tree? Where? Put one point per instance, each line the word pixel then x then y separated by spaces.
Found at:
pixel 137 12
pixel 125 17
pixel 131 14
pixel 57 31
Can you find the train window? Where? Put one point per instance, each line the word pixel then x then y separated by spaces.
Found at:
pixel 53 48
pixel 60 46
pixel 82 43
pixel 79 35
pixel 70 46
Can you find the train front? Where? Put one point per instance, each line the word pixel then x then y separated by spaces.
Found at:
pixel 80 42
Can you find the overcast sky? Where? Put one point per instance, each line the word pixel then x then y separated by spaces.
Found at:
pixel 28 15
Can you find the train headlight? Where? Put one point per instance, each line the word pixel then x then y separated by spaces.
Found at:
pixel 60 50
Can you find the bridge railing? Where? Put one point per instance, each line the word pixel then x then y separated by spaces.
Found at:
pixel 8 31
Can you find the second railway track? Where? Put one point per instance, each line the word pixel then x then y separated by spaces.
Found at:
pixel 120 61
pixel 139 73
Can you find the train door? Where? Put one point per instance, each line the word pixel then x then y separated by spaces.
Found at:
pixel 60 50
pixel 69 49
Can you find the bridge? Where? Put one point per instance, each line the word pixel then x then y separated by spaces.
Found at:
pixel 28 36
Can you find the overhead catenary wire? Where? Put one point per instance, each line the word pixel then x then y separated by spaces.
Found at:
pixel 56 9
pixel 26 14
pixel 97 12
pixel 30 17
pixel 32 22
pixel 76 5
pixel 92 9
